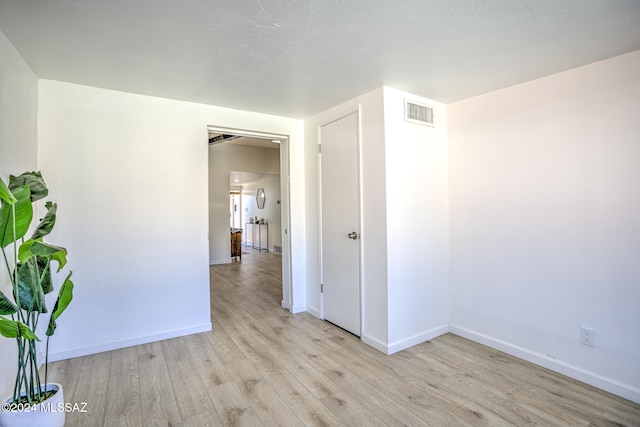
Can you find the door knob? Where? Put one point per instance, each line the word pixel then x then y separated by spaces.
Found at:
pixel 353 235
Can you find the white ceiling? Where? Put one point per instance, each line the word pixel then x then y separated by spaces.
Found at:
pixel 296 58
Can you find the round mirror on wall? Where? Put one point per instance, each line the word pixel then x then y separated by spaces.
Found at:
pixel 260 197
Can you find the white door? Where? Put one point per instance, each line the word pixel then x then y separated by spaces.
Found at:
pixel 340 212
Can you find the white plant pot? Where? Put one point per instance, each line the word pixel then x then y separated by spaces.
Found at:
pixel 49 413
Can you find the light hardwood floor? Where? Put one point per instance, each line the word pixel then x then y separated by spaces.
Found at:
pixel 262 365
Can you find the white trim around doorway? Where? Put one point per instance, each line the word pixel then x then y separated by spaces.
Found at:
pixel 287 285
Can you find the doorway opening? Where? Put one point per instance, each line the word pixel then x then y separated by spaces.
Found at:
pixel 241 163
pixel 235 207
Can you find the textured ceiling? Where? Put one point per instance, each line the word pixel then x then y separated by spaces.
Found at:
pixel 296 58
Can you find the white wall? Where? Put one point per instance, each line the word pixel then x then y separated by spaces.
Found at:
pixel 18 112
pixel 224 158
pixel 404 197
pixel 545 221
pixel 130 175
pixel 373 199
pixel 18 153
pixel 417 223
pixel 270 212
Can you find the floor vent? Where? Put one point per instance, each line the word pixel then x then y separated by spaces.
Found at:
pixel 277 249
pixel 416 112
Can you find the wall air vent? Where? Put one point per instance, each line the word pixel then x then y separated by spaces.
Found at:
pixel 417 112
pixel 217 139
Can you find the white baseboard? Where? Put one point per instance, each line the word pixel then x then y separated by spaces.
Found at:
pixel 375 343
pixel 70 353
pixel 220 261
pixel 313 311
pixel 621 389
pixel 418 339
pixel 293 309
pixel 298 309
pixel 405 343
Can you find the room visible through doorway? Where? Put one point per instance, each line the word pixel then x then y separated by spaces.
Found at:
pixel 242 165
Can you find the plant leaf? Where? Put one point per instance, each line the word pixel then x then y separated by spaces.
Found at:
pixel 46 224
pixel 23 216
pixel 9 328
pixel 24 252
pixel 30 291
pixel 15 329
pixel 32 248
pixel 6 305
pixel 27 284
pixel 35 182
pixel 45 280
pixel 5 194
pixel 65 295
pixel 61 258
pixel 46 249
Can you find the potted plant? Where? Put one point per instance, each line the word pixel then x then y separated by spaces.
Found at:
pixel 29 262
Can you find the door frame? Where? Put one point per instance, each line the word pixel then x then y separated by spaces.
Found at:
pixel 353 110
pixel 231 193
pixel 285 207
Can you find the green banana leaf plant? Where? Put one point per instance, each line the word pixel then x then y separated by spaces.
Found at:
pixel 29 264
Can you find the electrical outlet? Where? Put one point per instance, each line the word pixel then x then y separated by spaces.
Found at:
pixel 587 336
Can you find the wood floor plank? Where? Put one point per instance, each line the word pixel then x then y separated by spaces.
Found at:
pixel 263 398
pixel 254 351
pixel 232 406
pixel 223 345
pixel 209 365
pixel 350 411
pixel 157 400
pixel 261 365
pixel 189 389
pixel 500 403
pixel 313 379
pixel 202 419
pixel 123 393
pixel 376 402
pixel 429 403
pixel 93 380
pixel 604 405
pixel 301 401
